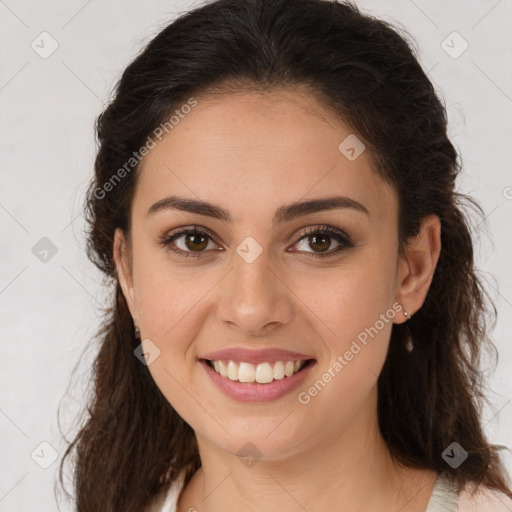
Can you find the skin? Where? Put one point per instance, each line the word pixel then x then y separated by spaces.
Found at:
pixel 251 153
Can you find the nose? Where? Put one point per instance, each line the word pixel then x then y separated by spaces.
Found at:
pixel 254 297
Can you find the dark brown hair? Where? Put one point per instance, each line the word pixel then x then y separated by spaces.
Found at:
pixel 132 443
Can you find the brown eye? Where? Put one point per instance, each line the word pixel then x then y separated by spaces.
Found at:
pixel 187 242
pixel 320 239
pixel 322 242
pixel 195 241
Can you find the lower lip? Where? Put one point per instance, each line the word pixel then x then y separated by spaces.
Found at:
pixel 254 392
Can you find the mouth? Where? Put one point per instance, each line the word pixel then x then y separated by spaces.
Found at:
pixel 262 373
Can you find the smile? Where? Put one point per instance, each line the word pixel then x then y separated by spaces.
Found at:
pixel 240 378
pixel 263 373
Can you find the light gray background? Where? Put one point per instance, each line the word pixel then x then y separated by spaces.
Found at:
pixel 47 111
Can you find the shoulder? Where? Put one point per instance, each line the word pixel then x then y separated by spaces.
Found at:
pixel 483 499
pixel 167 500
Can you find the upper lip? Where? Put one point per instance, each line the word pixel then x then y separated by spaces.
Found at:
pixel 255 356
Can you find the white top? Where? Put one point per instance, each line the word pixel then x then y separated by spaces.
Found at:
pixel 444 498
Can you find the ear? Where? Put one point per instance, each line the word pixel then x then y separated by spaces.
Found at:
pixel 124 272
pixel 418 264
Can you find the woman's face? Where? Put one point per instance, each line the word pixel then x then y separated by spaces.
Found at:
pixel 257 281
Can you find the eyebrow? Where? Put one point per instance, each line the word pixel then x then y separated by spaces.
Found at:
pixel 282 214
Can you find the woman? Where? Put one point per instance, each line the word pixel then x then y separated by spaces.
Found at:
pixel 297 321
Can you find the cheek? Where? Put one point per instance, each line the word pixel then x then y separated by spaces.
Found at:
pixel 355 314
pixel 170 302
pixel 348 299
pixel 168 296
pixel 356 350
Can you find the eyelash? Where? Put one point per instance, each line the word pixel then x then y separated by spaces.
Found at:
pixel 339 236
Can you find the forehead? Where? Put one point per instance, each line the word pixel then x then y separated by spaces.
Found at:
pixel 256 151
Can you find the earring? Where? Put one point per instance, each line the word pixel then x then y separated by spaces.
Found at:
pixel 137 333
pixel 409 345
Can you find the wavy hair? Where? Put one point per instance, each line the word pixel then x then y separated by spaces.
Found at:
pixel 132 444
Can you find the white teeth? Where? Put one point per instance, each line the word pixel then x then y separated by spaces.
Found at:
pixel 288 368
pixel 278 370
pixel 232 370
pixel 246 372
pixel 262 373
pixel 223 369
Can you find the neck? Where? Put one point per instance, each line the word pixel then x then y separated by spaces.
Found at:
pixel 354 468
